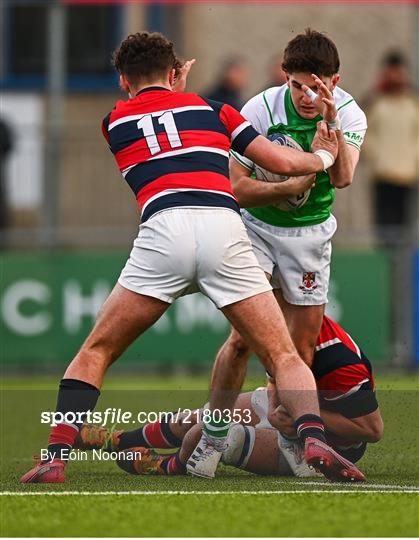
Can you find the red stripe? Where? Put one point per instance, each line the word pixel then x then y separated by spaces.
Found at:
pixel 155 100
pixel 138 152
pixel 343 379
pixel 332 330
pixel 192 180
pixel 309 425
pixel 63 434
pixel 154 436
pixel 231 118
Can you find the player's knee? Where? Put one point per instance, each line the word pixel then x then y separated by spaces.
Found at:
pixel 240 443
pixel 276 362
pixel 376 431
pixel 240 347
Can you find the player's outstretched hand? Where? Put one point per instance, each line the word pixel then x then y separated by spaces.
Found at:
pixel 324 102
pixel 182 75
pixel 281 420
pixel 299 184
pixel 325 139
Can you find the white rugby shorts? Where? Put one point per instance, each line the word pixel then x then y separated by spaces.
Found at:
pixel 297 258
pixel 185 250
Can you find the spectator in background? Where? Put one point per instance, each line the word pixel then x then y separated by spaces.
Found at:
pixel 392 146
pixel 275 72
pixel 233 79
pixel 6 145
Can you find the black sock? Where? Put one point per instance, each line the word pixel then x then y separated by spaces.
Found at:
pixel 74 396
pixel 154 435
pixel 310 425
pixel 172 465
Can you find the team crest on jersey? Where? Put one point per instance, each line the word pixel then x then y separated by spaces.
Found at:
pixel 309 283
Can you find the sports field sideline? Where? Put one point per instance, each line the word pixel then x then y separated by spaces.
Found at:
pixel 100 500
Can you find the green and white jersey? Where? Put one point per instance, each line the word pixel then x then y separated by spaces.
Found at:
pixel 273 111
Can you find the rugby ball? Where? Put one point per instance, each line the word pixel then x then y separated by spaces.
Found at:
pixel 296 201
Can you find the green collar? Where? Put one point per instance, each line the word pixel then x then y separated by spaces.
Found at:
pixel 294 119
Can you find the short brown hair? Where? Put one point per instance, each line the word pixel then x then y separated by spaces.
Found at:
pixel 144 55
pixel 311 52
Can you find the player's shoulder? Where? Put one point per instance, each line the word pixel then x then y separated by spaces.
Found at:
pixel 351 114
pixel 264 109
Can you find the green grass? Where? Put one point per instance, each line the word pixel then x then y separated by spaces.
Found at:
pixel 392 462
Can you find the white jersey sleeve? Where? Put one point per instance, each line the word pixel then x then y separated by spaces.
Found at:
pixel 354 123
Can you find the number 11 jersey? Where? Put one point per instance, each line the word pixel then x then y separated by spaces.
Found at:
pixel 173 148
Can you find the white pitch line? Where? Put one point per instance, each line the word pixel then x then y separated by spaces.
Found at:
pixel 153 493
pixel 364 486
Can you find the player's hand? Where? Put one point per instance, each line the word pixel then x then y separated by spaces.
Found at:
pixel 298 184
pixel 181 76
pixel 325 102
pixel 325 139
pixel 281 420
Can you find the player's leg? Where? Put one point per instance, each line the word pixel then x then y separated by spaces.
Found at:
pixel 304 324
pixel 165 433
pixel 124 316
pixel 229 370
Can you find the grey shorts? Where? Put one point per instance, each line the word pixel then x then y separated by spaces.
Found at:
pixel 297 258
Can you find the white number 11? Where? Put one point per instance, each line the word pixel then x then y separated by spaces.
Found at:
pixel 168 121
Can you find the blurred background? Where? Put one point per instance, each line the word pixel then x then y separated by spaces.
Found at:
pixel 67 219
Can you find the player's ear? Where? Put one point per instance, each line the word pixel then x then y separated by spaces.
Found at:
pixel 123 83
pixel 287 77
pixel 172 77
pixel 335 80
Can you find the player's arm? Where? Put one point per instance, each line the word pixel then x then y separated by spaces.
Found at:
pixel 252 193
pixel 367 428
pixel 341 173
pixel 290 162
pixel 246 141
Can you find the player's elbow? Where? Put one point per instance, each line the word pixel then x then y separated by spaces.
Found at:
pixel 375 430
pixel 342 183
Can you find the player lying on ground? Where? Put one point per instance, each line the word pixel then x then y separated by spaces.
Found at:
pixel 348 407
pixel 172 148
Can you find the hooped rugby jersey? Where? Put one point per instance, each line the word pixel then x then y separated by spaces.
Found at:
pixel 173 148
pixel 344 380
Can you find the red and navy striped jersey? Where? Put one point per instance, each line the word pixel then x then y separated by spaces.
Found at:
pixel 173 148
pixel 344 380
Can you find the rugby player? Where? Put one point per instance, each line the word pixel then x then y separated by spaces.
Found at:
pixel 172 148
pixel 349 409
pixel 294 247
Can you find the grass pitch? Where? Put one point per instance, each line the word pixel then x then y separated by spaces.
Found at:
pixel 100 500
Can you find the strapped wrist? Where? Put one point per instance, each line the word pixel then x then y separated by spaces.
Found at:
pixel 336 124
pixel 326 157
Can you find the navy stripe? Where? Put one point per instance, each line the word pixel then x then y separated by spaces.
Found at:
pixel 189 198
pixel 243 139
pixel 245 449
pixel 144 173
pixel 334 357
pixel 125 134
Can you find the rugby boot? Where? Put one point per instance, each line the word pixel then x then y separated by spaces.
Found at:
pixel 206 456
pixel 140 460
pixel 92 437
pixel 333 466
pixel 51 472
pixel 293 452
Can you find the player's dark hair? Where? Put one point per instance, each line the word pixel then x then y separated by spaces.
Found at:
pixel 311 52
pixel 145 55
